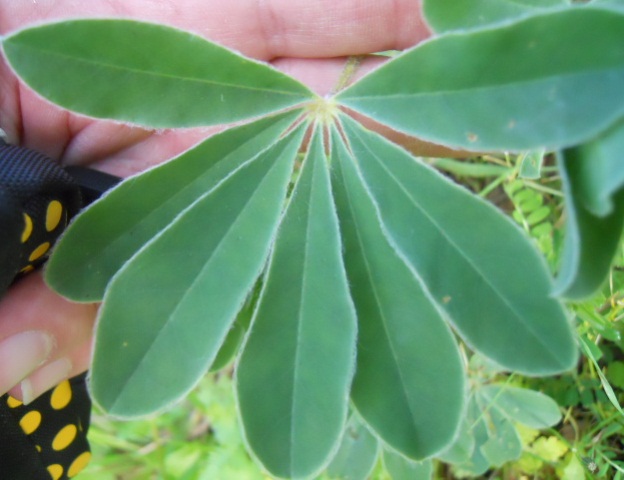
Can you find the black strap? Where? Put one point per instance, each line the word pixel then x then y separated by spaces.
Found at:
pixel 47 438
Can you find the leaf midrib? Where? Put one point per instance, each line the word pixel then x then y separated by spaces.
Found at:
pixel 381 311
pixel 192 286
pixel 148 73
pixel 485 87
pixel 443 235
pixel 156 207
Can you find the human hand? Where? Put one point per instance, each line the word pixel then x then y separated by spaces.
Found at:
pixel 307 40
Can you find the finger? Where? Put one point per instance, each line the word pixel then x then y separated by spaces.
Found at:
pixel 263 29
pixel 42 332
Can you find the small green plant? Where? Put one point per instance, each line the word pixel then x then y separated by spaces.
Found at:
pixel 345 282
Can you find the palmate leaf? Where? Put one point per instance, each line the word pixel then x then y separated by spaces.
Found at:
pixel 409 382
pixel 146 74
pixel 499 89
pixel 443 15
pixel 111 231
pixel 168 310
pixel 294 373
pixel 477 265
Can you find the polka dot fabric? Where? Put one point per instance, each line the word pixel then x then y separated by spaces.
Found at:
pixel 47 438
pixel 55 426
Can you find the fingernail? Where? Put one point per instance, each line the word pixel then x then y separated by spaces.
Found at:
pixel 21 354
pixel 44 379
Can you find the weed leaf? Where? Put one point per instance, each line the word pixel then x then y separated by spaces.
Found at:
pixel 409 382
pixel 498 89
pixel 168 310
pixel 111 231
pixel 148 74
pixel 294 373
pixel 528 407
pixel 477 266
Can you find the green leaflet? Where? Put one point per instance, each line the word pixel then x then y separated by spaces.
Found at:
pixel 531 164
pixel 462 448
pixel 478 464
pixel 401 468
pixel 598 167
pixel 294 373
pixel 503 443
pixel 146 74
pixel 474 262
pixel 529 407
pixel 234 339
pixel 443 15
pixel 357 454
pixel 111 231
pixel 409 382
pixel 168 310
pixel 616 4
pixel 499 89
pixel 591 240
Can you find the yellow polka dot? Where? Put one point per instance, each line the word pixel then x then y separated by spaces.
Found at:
pixel 53 215
pixel 27 269
pixel 38 447
pixel 64 437
pixel 30 422
pixel 13 402
pixel 28 228
pixel 39 252
pixel 61 395
pixel 55 471
pixel 79 464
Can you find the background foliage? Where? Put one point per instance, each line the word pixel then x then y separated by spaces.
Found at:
pixel 374 306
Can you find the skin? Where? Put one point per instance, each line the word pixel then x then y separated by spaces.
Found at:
pixel 308 40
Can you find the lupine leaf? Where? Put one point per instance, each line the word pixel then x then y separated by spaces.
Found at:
pixel 146 74
pixel 294 373
pixel 112 230
pixel 529 407
pixel 476 264
pixel 443 15
pixel 598 167
pixel 168 310
pixel 590 241
pixel 357 454
pixel 499 89
pixel 409 382
pixel 616 4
